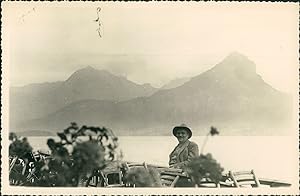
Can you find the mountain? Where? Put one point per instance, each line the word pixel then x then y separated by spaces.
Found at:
pixel 231 96
pixel 36 100
pixel 175 83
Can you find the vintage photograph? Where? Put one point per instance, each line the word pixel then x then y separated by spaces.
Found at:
pixel 150 97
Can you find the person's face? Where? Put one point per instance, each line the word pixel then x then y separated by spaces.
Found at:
pixel 182 135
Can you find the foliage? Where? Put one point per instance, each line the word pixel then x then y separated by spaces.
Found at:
pixel 75 156
pixel 143 177
pixel 20 152
pixel 204 167
pixel 19 146
pixel 213 131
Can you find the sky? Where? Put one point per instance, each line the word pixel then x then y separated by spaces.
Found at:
pixel 149 42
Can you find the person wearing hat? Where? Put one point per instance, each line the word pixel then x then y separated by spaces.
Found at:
pixel 185 150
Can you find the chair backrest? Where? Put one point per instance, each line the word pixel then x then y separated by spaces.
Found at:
pixel 169 179
pixel 244 179
pixel 207 183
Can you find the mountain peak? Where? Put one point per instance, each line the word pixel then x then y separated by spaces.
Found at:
pixel 238 61
pixel 237 57
pixel 91 69
pixel 236 54
pixel 88 68
pixel 88 72
pixel 101 84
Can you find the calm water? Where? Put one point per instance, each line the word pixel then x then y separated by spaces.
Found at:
pixel 270 156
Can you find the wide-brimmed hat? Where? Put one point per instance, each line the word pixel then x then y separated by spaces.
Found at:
pixel 180 127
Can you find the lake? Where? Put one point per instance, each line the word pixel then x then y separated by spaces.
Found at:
pixel 274 157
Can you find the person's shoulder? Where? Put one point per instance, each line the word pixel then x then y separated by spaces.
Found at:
pixel 193 144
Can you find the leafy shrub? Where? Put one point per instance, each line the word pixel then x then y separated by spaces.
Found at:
pixel 143 177
pixel 205 167
pixel 19 146
pixel 73 158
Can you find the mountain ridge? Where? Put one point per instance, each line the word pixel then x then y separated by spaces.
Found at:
pixel 36 100
pixel 229 94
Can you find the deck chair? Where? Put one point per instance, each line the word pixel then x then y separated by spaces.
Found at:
pixel 97 180
pixel 169 176
pixel 206 183
pixel 244 179
pixel 169 179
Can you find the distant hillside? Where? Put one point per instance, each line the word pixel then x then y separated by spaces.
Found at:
pixel 37 100
pixel 230 95
pixel 36 133
pixel 175 83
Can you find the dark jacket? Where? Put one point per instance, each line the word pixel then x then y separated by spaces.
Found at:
pixel 184 155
